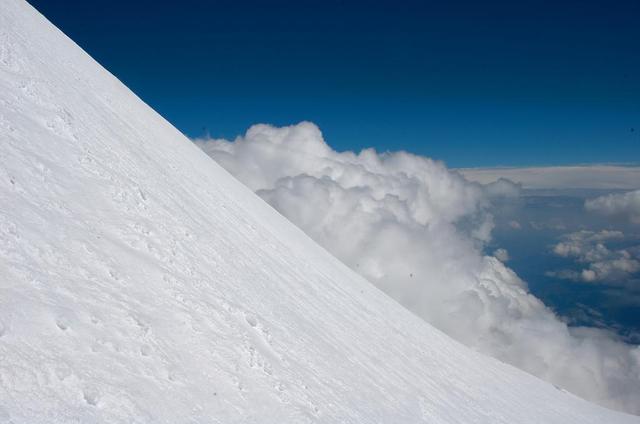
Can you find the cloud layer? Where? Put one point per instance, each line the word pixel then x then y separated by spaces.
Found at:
pixel 561 177
pixel 601 264
pixel 416 230
pixel 624 205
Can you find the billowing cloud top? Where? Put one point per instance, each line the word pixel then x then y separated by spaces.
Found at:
pixel 416 230
pixel 414 188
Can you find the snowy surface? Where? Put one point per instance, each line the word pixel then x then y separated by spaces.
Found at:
pixel 140 282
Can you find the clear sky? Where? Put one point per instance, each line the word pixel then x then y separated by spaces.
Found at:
pixel 472 83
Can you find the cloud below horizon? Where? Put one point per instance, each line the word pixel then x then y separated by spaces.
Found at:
pixel 603 177
pixel 417 230
pixel 623 205
pixel 601 264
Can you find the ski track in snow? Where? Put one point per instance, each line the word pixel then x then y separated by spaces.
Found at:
pixel 139 282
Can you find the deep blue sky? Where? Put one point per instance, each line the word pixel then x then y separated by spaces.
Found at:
pixel 472 83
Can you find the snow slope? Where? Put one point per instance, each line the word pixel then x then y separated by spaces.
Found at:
pixel 139 282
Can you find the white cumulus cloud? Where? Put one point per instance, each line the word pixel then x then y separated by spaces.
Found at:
pixel 601 264
pixel 515 225
pixel 626 205
pixel 416 230
pixel 501 254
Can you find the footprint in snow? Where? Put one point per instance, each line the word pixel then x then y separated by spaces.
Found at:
pixel 145 350
pixel 91 396
pixel 62 323
pixel 251 320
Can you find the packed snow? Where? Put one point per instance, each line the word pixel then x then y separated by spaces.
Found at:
pixel 140 282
